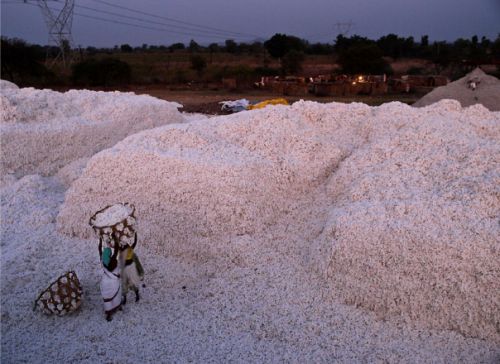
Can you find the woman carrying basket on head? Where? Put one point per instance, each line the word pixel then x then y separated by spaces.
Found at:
pixel 111 289
pixel 114 225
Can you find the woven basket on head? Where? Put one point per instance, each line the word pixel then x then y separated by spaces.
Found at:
pixel 115 223
pixel 63 296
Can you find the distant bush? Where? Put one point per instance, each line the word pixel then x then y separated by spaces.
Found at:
pixel 319 48
pixel 176 47
pixel 180 76
pixel 198 63
pixel 415 71
pixel 239 72
pixel 291 63
pixel 266 71
pixel 365 59
pixel 22 63
pixel 231 46
pixel 103 72
pixel 126 48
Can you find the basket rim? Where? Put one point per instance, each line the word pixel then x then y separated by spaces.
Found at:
pixel 94 217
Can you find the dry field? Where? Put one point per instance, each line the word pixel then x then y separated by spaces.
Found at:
pixel 206 101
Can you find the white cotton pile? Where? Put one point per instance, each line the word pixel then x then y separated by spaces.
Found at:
pixel 412 229
pixel 72 171
pixel 4 85
pixel 216 178
pixel 43 130
pixel 265 309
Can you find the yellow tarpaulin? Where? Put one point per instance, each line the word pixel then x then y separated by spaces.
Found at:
pixel 265 103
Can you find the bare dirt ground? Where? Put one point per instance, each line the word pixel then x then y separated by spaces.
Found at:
pixel 207 101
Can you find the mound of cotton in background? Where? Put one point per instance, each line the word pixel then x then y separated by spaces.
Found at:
pixel 487 92
pixel 412 229
pixel 43 130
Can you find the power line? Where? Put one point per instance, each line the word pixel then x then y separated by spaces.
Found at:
pixel 202 27
pixel 194 31
pixel 146 27
pixel 135 25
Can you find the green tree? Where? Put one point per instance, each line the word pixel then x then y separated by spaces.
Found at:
pixel 176 46
pixel 343 43
pixel 319 48
pixel 198 63
pixel 292 62
pixel 22 63
pixel 495 47
pixel 391 45
pixel 396 47
pixel 213 48
pixel 102 72
pixel 424 41
pixel 281 44
pixel 126 48
pixel 441 56
pixel 363 58
pixel 231 46
pixel 256 48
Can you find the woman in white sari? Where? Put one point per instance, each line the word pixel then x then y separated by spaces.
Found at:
pixel 111 289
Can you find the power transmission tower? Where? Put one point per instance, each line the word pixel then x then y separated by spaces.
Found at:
pixel 59 23
pixel 343 28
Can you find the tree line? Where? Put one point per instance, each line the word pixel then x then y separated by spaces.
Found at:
pixel 24 63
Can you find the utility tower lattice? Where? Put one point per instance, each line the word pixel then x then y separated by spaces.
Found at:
pixel 59 23
pixel 343 28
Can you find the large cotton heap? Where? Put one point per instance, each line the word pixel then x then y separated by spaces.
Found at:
pixel 412 229
pixel 220 177
pixel 474 88
pixel 43 130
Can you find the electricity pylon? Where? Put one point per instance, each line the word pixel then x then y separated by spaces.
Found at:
pixel 59 22
pixel 343 28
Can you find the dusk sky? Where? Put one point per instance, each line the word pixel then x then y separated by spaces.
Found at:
pixel 216 20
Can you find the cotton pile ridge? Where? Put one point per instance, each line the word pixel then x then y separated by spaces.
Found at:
pixel 43 130
pixel 404 201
